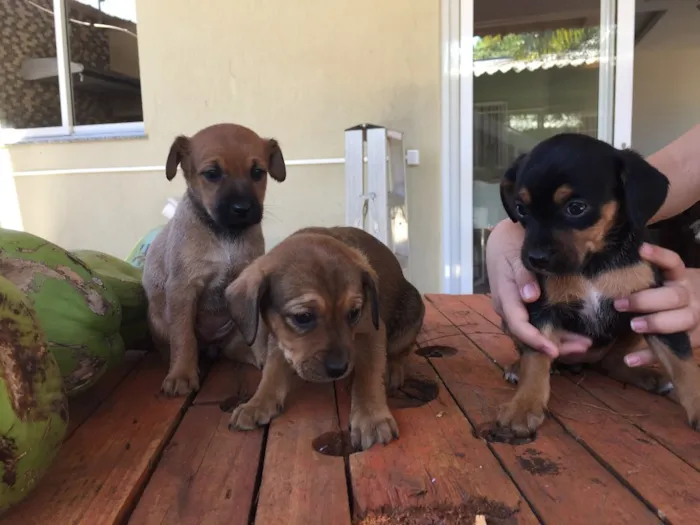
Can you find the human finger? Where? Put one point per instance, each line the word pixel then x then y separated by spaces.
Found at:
pixel 655 300
pixel 640 358
pixel 668 322
pixel 668 260
pixel 526 282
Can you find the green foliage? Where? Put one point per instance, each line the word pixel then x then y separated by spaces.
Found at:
pixel 530 46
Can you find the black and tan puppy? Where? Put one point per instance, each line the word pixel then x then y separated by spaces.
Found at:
pixel 584 206
pixel 214 234
pixel 335 302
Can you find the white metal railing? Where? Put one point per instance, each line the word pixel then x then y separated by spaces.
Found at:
pixel 142 169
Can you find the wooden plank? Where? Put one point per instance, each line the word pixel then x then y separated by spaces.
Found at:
pixel 482 305
pixel 84 404
pixel 207 474
pixel 300 485
pixel 103 467
pixel 462 314
pixel 435 326
pixel 228 382
pixel 436 460
pixel 658 416
pixel 663 480
pixel 562 481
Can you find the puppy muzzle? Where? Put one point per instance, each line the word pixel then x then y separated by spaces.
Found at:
pixel 237 211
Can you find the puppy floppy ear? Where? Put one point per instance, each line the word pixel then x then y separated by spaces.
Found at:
pixel 179 149
pixel 508 187
pixel 245 296
pixel 277 168
pixel 369 285
pixel 645 187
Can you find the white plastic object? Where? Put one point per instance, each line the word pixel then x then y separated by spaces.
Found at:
pixel 170 207
pixel 413 157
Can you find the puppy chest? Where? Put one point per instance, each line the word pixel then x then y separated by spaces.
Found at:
pixel 592 303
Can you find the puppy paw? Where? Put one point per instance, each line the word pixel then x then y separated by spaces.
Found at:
pixel 511 374
pixel 367 429
pixel 522 415
pixel 652 381
pixel 253 414
pixel 180 384
pixel 693 413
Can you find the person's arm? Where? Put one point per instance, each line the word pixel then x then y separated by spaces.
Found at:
pixel 680 162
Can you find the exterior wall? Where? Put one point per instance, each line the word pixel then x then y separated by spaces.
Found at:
pixel 299 71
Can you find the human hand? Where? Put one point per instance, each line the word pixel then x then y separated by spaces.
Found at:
pixel 512 286
pixel 673 307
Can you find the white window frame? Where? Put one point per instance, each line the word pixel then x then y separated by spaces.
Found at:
pixel 68 130
pixel 457 106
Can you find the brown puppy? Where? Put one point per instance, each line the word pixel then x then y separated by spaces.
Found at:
pixel 334 301
pixel 214 234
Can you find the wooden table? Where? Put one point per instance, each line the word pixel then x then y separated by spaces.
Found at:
pixel 607 454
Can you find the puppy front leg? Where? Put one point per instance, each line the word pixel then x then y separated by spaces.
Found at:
pixel 524 414
pixel 183 374
pixel 268 400
pixel 676 355
pixel 370 418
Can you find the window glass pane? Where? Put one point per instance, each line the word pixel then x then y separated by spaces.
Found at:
pixel 28 83
pixel 105 61
pixel 536 74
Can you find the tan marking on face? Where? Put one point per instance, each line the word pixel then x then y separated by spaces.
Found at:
pixel 305 302
pixel 525 196
pixel 593 239
pixel 562 194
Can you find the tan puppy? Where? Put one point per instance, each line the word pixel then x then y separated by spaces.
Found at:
pixel 334 301
pixel 214 234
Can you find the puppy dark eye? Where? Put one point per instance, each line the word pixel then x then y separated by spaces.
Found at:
pixel 520 209
pixel 257 173
pixel 576 208
pixel 354 315
pixel 213 174
pixel 304 320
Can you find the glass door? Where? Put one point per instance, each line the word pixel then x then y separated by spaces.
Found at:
pixel 538 68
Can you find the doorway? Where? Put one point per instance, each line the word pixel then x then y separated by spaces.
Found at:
pixel 515 73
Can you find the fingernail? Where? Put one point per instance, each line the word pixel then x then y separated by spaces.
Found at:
pixel 622 305
pixel 646 249
pixel 638 325
pixel 529 292
pixel 551 351
pixel 632 360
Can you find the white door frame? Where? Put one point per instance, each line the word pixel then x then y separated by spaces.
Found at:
pixel 457 103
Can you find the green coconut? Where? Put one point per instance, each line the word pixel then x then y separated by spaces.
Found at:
pixel 79 314
pixel 124 280
pixel 33 405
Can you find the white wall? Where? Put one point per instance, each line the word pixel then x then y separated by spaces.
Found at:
pixel 667 79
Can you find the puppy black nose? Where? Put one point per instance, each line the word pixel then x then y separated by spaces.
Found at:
pixel 538 258
pixel 335 368
pixel 241 208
